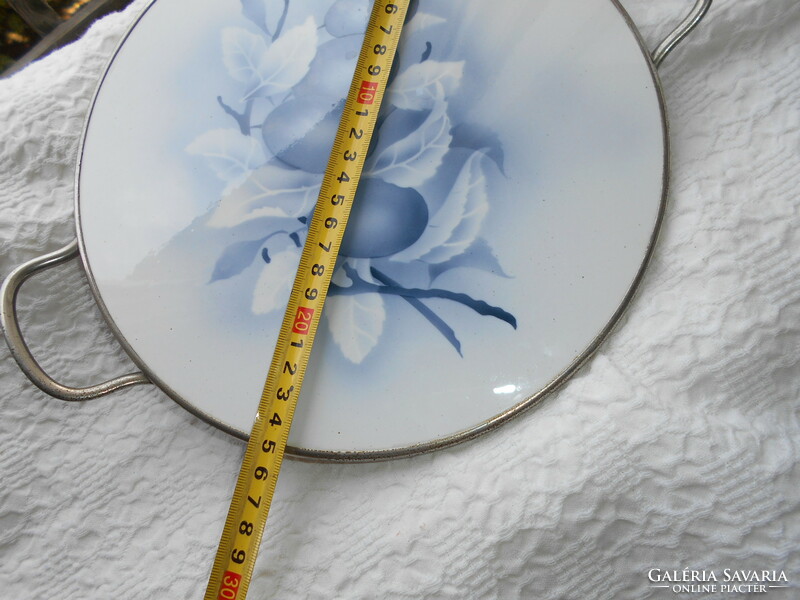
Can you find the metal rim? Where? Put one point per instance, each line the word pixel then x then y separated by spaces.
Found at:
pixel 486 426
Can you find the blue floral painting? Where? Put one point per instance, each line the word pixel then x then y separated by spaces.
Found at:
pixel 425 194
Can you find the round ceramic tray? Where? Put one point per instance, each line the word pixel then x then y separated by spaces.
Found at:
pixel 510 204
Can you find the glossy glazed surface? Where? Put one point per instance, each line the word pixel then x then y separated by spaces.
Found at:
pixel 511 199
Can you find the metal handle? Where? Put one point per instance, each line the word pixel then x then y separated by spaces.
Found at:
pixel 683 29
pixel 19 349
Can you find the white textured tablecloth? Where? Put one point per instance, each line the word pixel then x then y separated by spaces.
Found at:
pixel 677 447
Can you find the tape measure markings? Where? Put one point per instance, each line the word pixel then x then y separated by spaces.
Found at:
pixel 255 486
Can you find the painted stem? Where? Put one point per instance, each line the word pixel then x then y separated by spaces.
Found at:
pixel 281 21
pixel 479 306
pixel 242 119
pixel 426 312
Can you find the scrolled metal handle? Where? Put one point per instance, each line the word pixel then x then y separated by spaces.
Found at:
pixel 683 29
pixel 21 352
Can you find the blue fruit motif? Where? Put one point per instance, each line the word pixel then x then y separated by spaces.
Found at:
pixel 300 131
pixel 424 193
pixel 384 220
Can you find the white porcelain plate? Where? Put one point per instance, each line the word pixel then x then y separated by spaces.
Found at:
pixel 509 206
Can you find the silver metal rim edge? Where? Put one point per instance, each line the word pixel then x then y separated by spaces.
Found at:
pixel 486 426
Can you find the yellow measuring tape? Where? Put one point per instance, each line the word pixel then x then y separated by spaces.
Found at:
pixel 241 537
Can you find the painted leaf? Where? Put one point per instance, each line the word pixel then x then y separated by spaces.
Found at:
pixel 332 69
pixel 356 323
pixel 275 282
pixel 235 259
pixel 422 84
pixel 229 153
pixel 347 17
pixel 479 137
pixel 286 61
pixel 413 159
pixel 455 226
pixel 264 13
pixel 270 191
pixel 390 130
pixel 273 13
pixel 254 10
pixel 478 256
pixel 242 52
pixel 363 268
pixel 422 21
pixel 340 277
